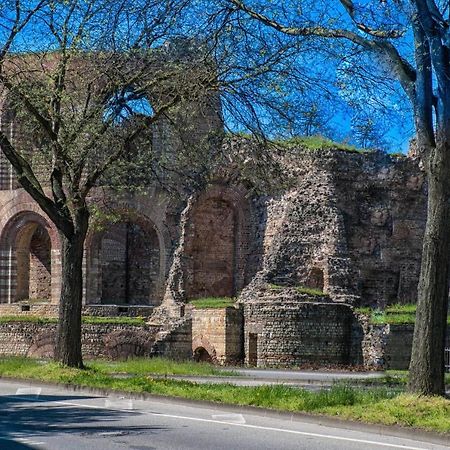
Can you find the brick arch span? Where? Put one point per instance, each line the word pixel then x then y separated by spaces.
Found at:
pixel 217 243
pixel 126 262
pixel 201 347
pixel 29 256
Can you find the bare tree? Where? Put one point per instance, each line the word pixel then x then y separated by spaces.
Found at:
pixel 87 80
pixel 410 40
pixel 368 132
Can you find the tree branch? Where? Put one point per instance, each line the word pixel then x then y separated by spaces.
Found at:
pixel 404 72
pixel 31 184
pixel 437 38
pixel 92 178
pixel 383 34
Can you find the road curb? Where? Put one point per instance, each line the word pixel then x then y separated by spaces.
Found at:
pixel 318 419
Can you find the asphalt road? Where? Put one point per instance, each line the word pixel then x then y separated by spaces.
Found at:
pixel 58 419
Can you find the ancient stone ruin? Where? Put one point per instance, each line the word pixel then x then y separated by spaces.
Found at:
pixel 345 232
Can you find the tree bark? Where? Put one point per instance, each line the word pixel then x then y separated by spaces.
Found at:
pixel 427 359
pixel 68 339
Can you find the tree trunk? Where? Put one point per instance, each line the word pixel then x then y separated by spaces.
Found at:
pixel 68 340
pixel 427 359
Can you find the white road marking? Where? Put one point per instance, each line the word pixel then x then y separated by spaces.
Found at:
pixel 257 427
pixel 120 404
pixel 111 433
pixel 28 441
pixel 232 418
pixel 29 391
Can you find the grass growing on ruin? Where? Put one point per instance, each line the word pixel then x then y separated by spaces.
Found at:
pixel 310 291
pixel 319 143
pixel 380 318
pixel 213 302
pixel 315 142
pixel 300 289
pixel 382 406
pixel 398 314
pixel 138 321
pixel 401 309
pixel 28 319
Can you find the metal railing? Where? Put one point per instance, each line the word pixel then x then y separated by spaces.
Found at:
pixel 447 359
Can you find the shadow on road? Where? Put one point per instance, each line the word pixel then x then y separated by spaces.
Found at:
pixel 6 444
pixel 22 417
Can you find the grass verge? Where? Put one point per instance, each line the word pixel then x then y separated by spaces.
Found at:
pixel 382 406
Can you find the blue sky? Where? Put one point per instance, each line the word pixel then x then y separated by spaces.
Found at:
pixel 325 74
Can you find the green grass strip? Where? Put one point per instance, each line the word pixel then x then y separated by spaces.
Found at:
pixel 92 320
pixel 372 405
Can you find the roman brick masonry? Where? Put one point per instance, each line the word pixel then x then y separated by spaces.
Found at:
pixel 345 231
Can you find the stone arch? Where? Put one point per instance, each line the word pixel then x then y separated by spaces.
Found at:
pixel 202 355
pixel 217 244
pixel 126 262
pixel 202 350
pixel 29 263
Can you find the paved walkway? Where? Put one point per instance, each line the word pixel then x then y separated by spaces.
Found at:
pixel 259 377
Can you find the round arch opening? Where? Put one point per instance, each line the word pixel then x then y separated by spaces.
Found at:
pixel 27 245
pixel 202 355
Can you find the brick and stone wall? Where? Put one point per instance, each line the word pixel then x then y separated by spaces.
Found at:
pixel 98 340
pixel 385 346
pixel 129 268
pixel 175 340
pixel 219 333
pixel 346 223
pixel 352 223
pixel 293 329
pixel 51 310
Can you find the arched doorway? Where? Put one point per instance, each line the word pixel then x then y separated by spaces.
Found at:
pixel 129 263
pixel 34 270
pixel 202 355
pixel 26 246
